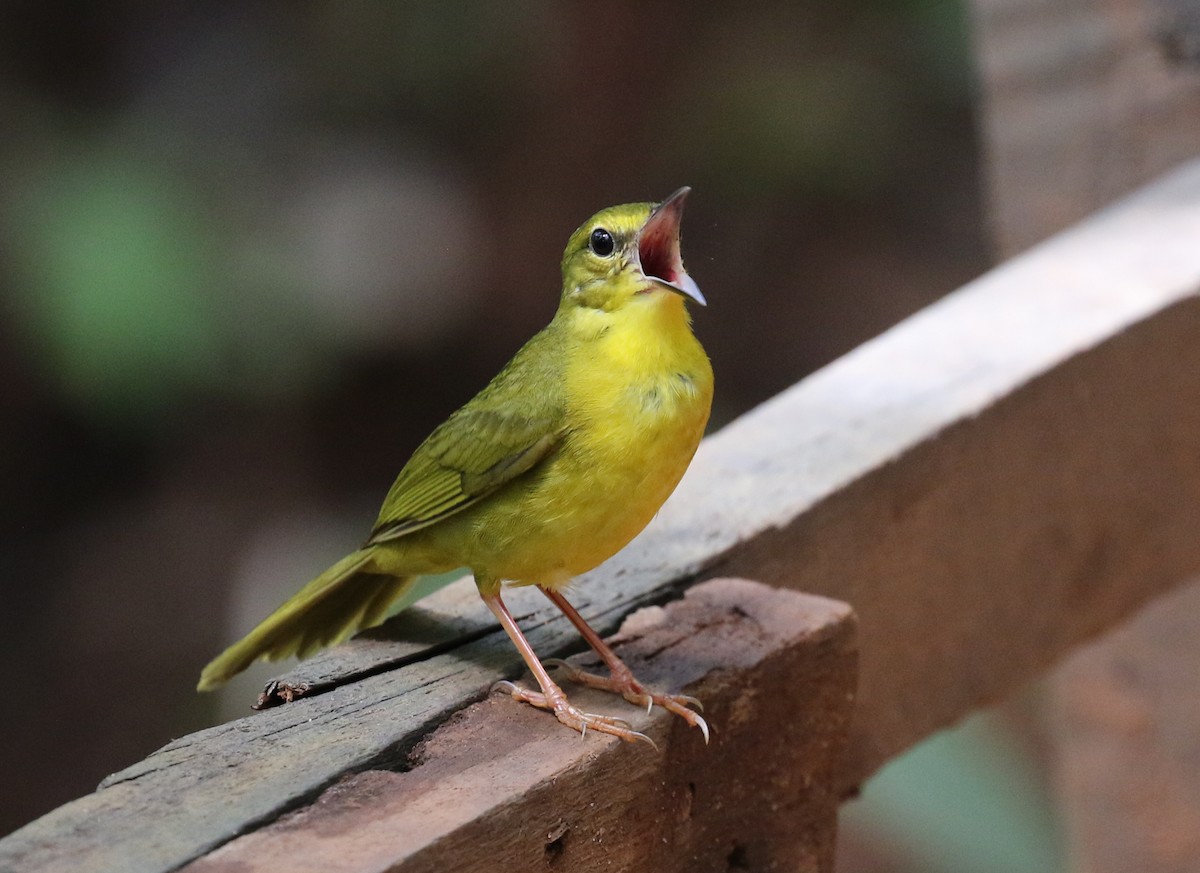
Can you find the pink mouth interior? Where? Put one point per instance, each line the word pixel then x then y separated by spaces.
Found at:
pixel 659 252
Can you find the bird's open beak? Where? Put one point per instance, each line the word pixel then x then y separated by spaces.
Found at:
pixel 658 248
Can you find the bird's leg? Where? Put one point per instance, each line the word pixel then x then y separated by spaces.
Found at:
pixel 551 696
pixel 621 679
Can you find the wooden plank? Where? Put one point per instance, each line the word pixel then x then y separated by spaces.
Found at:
pixel 502 786
pixel 1035 473
pixel 1084 100
pixel 988 483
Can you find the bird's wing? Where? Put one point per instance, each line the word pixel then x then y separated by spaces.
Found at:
pixel 469 457
pixel 501 434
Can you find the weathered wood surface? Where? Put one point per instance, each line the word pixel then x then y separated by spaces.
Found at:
pixel 990 482
pixel 1083 101
pixel 501 781
pixel 1036 472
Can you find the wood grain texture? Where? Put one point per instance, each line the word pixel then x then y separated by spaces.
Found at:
pixel 990 482
pixel 502 785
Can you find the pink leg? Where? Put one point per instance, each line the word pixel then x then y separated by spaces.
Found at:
pixel 551 696
pixel 621 679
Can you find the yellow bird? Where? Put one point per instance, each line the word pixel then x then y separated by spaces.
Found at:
pixel 551 469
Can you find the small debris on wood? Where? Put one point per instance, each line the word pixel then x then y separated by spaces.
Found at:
pixel 277 693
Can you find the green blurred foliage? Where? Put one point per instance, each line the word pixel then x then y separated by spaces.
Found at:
pixel 967 800
pixel 115 284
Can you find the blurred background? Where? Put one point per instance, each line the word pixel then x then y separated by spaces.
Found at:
pixel 251 253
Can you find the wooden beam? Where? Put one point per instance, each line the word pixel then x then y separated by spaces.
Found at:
pixel 989 483
pixel 1082 102
pixel 502 786
pixel 1033 473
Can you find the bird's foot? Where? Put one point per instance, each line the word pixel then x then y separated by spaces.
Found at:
pixel 624 683
pixel 570 715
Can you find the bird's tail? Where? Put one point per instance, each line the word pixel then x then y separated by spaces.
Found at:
pixel 345 598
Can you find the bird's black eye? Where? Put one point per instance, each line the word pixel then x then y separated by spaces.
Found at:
pixel 601 242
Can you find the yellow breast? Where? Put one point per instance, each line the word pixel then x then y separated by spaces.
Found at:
pixel 640 394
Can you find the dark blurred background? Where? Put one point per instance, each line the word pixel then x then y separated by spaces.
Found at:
pixel 250 253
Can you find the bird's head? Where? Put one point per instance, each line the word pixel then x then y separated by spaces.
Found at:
pixel 626 254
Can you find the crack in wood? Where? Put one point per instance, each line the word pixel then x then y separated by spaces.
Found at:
pixel 279 691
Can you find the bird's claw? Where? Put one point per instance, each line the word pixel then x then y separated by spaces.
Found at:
pixel 571 715
pixel 506 687
pixel 688 700
pixel 633 691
